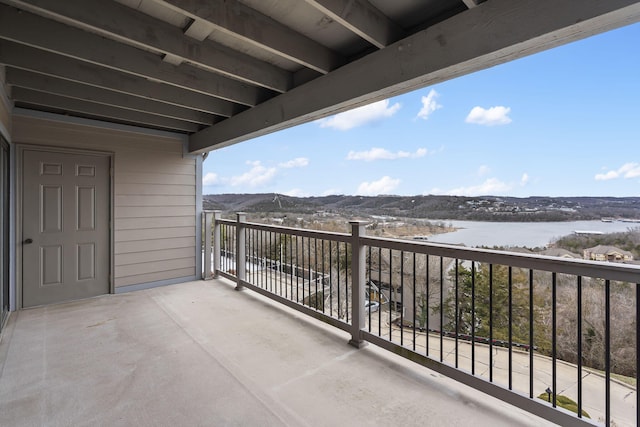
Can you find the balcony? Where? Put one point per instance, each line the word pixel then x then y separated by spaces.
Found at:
pixel 201 353
pixel 538 332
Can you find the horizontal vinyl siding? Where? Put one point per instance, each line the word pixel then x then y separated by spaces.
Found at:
pixel 153 178
pixel 151 189
pixel 157 222
pixel 153 211
pixel 149 256
pixel 151 233
pixel 153 200
pixel 154 196
pixel 153 277
pixel 154 267
pixel 158 244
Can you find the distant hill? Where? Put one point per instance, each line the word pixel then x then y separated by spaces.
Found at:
pixel 484 208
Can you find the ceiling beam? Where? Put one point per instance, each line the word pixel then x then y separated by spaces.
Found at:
pixel 129 25
pixel 249 25
pixel 29 29
pixel 497 32
pixel 36 98
pixel 198 29
pixel 471 3
pixel 362 18
pixel 56 86
pixel 29 58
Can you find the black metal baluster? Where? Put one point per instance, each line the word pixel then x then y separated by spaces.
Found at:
pixel 302 250
pixel 473 317
pixel 338 270
pixel 315 269
pixel 554 368
pixel 456 311
pixel 274 284
pixel 442 308
pixel 637 352
pixel 297 273
pixel 402 297
pixel 491 322
pixel 324 297
pixel 347 266
pixel 256 238
pixel 531 341
pixel 414 302
pixel 510 328
pixel 391 299
pixel 379 291
pixel 289 246
pixel 308 268
pixel 426 326
pixel 223 253
pixel 330 278
pixel 579 345
pixel 369 289
pixel 607 351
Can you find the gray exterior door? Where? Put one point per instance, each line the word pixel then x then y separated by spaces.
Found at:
pixel 65 231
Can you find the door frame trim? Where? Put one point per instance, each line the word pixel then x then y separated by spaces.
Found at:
pixel 20 149
pixel 5 240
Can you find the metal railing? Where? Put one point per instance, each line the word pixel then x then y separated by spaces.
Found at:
pixel 531 330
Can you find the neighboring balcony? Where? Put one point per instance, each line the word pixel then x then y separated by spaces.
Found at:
pixel 541 333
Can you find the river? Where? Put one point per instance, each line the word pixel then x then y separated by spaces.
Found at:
pixel 529 234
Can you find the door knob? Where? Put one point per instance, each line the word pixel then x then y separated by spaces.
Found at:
pixel 28 241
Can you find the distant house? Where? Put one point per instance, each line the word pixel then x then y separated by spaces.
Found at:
pixel 559 252
pixel 607 253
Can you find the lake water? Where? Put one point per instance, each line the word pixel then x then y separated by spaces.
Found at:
pixel 529 234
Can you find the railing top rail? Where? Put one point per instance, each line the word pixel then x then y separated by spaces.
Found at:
pixel 578 267
pixel 227 221
pixel 322 235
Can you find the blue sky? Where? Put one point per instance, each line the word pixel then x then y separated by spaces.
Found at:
pixel 565 122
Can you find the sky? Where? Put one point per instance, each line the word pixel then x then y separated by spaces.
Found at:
pixel 564 122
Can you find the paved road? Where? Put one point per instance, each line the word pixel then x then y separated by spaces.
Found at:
pixel 623 396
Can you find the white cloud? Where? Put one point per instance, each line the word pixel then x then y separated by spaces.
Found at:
pixel 634 173
pixel 384 185
pixel 331 192
pixel 491 186
pixel 360 116
pixel 295 192
pixel 493 116
pixel 383 154
pixel 483 170
pixel 429 105
pixel 607 176
pixel 298 162
pixel 258 175
pixel 525 179
pixel 210 179
pixel 628 170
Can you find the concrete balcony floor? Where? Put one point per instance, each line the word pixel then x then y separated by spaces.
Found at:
pixel 202 354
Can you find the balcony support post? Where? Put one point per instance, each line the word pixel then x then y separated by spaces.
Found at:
pixel 208 217
pixel 241 258
pixel 358 278
pixel 217 215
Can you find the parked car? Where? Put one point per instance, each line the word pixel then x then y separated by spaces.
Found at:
pixel 372 306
